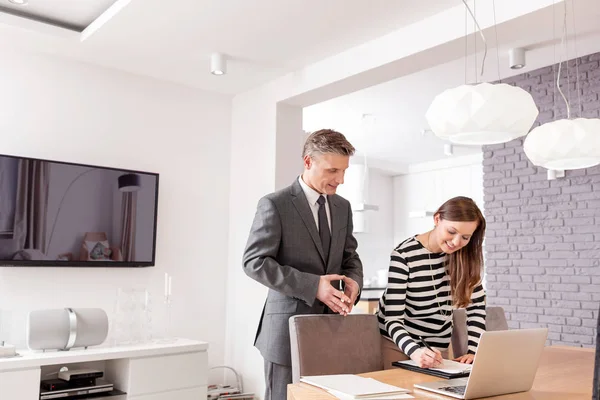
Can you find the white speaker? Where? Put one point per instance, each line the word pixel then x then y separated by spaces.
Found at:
pixel 63 329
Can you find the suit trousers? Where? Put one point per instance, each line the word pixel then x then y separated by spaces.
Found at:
pixel 277 377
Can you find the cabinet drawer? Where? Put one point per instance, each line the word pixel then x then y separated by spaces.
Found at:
pixel 22 385
pixel 167 373
pixel 185 394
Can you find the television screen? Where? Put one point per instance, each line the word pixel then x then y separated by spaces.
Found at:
pixel 65 214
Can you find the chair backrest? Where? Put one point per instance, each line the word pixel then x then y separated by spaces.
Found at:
pixel 333 344
pixel 495 320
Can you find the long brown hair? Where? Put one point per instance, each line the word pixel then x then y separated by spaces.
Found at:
pixel 464 265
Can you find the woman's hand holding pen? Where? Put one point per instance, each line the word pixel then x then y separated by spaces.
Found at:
pixel 427 357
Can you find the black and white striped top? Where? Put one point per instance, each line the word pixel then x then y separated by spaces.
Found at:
pixel 417 301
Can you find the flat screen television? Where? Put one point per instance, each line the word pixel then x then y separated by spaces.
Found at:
pixel 56 213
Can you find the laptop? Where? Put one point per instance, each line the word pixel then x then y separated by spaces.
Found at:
pixel 506 362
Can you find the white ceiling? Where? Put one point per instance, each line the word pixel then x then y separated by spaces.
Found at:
pixel 264 38
pixel 392 133
pixel 75 13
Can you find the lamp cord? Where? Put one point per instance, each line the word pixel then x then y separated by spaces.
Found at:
pixel 497 44
pixel 554 57
pixel 61 204
pixel 576 57
pixel 480 33
pixel 562 42
pixel 466 46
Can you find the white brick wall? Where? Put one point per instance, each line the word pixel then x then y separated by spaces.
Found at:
pixel 543 237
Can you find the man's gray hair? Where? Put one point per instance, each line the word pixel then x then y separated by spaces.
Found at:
pixel 327 141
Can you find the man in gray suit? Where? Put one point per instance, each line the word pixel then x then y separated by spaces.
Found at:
pixel 302 248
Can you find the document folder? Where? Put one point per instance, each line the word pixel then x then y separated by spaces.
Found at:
pixel 450 369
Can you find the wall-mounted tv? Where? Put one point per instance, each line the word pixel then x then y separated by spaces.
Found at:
pixel 64 214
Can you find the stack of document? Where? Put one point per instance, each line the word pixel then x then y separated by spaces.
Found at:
pixel 354 387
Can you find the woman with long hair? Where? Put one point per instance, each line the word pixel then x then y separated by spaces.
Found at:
pixel 430 275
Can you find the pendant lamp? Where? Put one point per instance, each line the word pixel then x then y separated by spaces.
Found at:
pixel 483 113
pixel 566 143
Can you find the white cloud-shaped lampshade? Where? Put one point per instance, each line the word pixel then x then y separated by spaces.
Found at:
pixel 565 144
pixel 482 114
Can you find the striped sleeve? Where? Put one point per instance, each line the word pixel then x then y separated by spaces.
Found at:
pixel 476 318
pixel 395 304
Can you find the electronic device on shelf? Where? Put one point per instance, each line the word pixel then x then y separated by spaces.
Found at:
pixel 80 374
pixel 112 395
pixel 59 384
pixel 100 386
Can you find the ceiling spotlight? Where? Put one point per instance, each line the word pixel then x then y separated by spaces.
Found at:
pixel 18 2
pixel 218 64
pixel 516 58
pixel 448 150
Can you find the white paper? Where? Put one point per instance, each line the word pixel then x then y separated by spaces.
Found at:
pixel 344 396
pixel 352 385
pixel 449 366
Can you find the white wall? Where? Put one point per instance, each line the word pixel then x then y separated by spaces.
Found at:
pixel 428 186
pixel 376 241
pixel 252 176
pixel 62 110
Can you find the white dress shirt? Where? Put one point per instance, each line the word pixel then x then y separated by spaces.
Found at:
pixel 312 196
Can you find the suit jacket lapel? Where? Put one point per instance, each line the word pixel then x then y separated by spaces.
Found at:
pixel 338 219
pixel 301 203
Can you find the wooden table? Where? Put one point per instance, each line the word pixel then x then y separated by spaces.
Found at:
pixel 565 373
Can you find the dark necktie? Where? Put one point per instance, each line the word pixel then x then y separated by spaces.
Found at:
pixel 324 227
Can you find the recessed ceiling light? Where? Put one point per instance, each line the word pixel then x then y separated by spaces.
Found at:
pixel 18 2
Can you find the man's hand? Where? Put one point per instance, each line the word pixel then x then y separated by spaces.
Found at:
pixel 466 359
pixel 426 358
pixel 331 297
pixel 351 289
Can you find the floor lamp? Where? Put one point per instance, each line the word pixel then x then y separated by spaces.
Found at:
pixel 127 183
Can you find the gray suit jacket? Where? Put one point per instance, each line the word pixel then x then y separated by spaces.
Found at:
pixel 284 253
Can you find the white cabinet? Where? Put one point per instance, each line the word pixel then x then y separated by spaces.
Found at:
pixel 152 371
pixel 23 384
pixel 185 394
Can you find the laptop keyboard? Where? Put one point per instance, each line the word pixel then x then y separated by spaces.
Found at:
pixel 454 389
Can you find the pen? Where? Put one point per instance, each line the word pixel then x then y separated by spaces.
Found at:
pixel 341 286
pixel 425 343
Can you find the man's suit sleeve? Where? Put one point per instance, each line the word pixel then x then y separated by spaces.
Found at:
pixel 261 250
pixel 351 264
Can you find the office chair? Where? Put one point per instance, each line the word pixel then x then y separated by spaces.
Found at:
pixel 334 344
pixel 495 320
